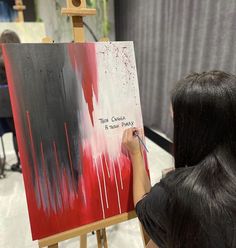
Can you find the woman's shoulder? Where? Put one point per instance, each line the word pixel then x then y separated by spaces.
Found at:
pixel 173 180
pixel 159 193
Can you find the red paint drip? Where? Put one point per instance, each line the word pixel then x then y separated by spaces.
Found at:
pixel 100 191
pixel 45 173
pixel 69 154
pixel 84 61
pixel 117 189
pixel 68 193
pixel 104 183
pixel 120 174
pixel 57 168
pixel 34 154
pixel 55 197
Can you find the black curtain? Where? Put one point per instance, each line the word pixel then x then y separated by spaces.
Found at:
pixel 173 38
pixel 30 12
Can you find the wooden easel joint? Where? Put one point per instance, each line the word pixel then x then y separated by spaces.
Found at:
pixel 77 10
pixel 47 40
pixel 19 7
pixel 102 238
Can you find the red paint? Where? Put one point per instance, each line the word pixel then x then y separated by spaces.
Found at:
pixel 85 55
pixel 77 213
pixel 57 168
pixel 24 156
pixel 33 154
pixel 69 154
pixel 100 193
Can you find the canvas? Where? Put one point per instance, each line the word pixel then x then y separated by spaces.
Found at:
pixel 71 104
pixel 27 31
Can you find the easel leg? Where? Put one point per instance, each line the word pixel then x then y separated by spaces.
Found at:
pixel 145 236
pixel 21 16
pixel 78 28
pixel 99 240
pixel 83 241
pixel 102 238
pixel 53 246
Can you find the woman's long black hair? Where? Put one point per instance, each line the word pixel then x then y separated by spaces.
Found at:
pixel 202 203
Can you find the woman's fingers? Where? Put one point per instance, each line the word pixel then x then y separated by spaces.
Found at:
pixel 130 141
pixel 130 134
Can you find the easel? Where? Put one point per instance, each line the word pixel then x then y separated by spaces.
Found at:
pixel 52 241
pixel 77 10
pixel 19 7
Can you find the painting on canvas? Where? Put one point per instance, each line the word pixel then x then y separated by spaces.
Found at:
pixel 71 104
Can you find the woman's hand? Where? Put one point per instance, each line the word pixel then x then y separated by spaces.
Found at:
pixel 131 142
pixel 141 182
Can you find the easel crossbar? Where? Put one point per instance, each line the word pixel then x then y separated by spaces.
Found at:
pixel 78 12
pixel 19 7
pixel 54 239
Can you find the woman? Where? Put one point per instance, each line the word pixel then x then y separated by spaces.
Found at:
pixel 6 119
pixel 195 205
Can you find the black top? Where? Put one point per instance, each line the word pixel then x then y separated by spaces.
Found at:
pixel 154 213
pixel 151 211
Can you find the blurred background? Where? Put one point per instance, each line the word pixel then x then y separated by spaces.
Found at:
pixel 57 26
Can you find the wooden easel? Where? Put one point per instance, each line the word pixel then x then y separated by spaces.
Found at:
pixel 19 7
pixel 52 241
pixel 77 10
